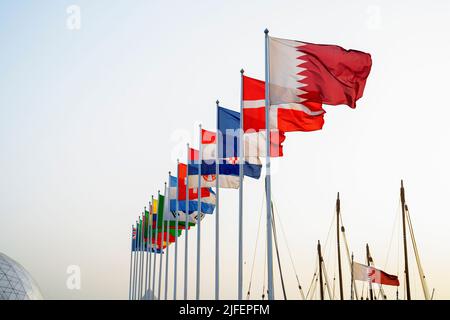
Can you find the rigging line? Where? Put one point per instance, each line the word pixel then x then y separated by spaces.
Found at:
pixel 312 280
pixel 327 283
pixel 254 252
pixel 394 228
pixel 348 253
pixel 264 273
pixel 310 294
pixel 324 246
pixel 416 253
pixel 287 246
pixel 274 231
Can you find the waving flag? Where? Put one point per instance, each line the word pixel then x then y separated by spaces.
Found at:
pixel 207 206
pixel 229 175
pixel 300 118
pixel 311 74
pixel 254 138
pixel 366 273
pixel 193 192
pixel 133 240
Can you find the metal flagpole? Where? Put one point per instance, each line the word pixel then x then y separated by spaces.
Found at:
pixel 268 187
pixel 218 136
pixel 141 283
pixel 150 234
pixel 167 256
pixel 167 260
pixel 156 248
pixel 161 246
pixel 199 212
pixel 140 261
pixel 176 237
pixel 146 255
pixel 161 239
pixel 186 229
pixel 135 273
pixel 241 189
pixel 131 264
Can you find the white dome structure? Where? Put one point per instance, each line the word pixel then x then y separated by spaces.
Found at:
pixel 15 282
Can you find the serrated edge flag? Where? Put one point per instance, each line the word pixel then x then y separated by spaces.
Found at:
pixel 304 75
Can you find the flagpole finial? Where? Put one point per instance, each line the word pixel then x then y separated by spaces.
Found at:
pixel 217 102
pixel 266 31
pixel 338 196
pixel 169 173
pixel 178 160
pixel 242 71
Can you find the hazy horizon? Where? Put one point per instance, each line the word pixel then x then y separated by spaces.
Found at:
pixel 93 118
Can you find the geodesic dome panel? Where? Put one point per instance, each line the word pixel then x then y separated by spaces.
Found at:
pixel 15 282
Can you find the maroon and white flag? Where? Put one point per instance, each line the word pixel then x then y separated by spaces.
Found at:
pixel 309 74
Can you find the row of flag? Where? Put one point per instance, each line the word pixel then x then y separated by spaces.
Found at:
pixel 301 78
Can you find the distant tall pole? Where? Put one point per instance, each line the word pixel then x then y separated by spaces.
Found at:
pixel 338 212
pixel 368 264
pixel 241 190
pixel 167 260
pixel 199 212
pixel 131 264
pixel 150 237
pixel 135 274
pixel 218 144
pixel 160 234
pixel 141 273
pixel 352 281
pixel 167 210
pixel 186 229
pixel 405 246
pixel 146 254
pixel 175 262
pixel 319 252
pixel 271 293
pixel 156 247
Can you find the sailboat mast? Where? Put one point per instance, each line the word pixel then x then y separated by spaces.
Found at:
pixel 368 263
pixel 338 211
pixel 405 247
pixel 319 252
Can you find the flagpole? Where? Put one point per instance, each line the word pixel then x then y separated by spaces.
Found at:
pixel 241 189
pixel 186 229
pixel 175 274
pixel 131 264
pixel 146 255
pixel 135 273
pixel 156 248
pixel 141 236
pixel 270 287
pixel 199 212
pixel 218 136
pixel 161 246
pixel 150 237
pixel 142 257
pixel 167 259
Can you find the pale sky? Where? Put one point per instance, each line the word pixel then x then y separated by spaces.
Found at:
pixel 92 120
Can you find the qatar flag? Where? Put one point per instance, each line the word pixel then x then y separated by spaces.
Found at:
pixel 311 74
